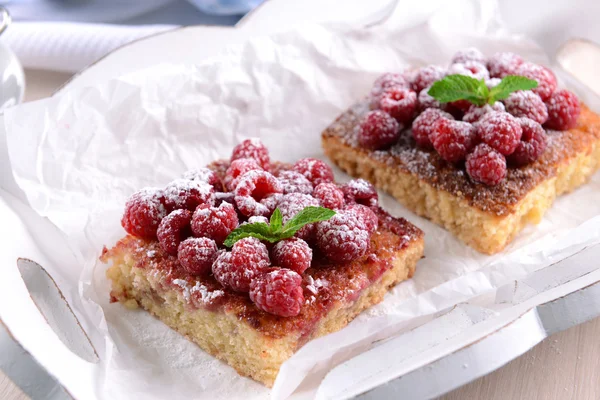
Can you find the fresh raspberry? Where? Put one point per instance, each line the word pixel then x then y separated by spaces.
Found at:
pixel 458 108
pixel 248 259
pixel 426 101
pixel 492 82
pixel 252 187
pixel 183 193
pixel 527 104
pixel 271 202
pixel 224 197
pixel 360 191
pixel 238 168
pixel 545 78
pixel 364 215
pixel 378 130
pixel 563 110
pixel 214 222
pixel 255 149
pixel 469 54
pixel 314 170
pixel 453 140
pixel 502 64
pixel 532 145
pixel 473 69
pixel 343 237
pixel 143 212
pixel 384 82
pixel 294 182
pixel 475 113
pixel 291 204
pixel 500 130
pixel 293 253
pixel 172 228
pixel 197 255
pixel 486 165
pixel 206 175
pixel 278 292
pixel 426 76
pixel 400 103
pixel 329 195
pixel 422 126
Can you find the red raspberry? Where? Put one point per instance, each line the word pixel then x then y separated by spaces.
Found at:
pixel 294 182
pixel 271 202
pixel 425 101
pixel 329 195
pixel 255 149
pixel 473 69
pixel 486 165
pixel 143 212
pixel 257 219
pixel 278 292
pixel 563 110
pixel 502 64
pixel 197 255
pixel 291 204
pixel 183 193
pixel 224 197
pixel 532 145
pixel 384 82
pixel 399 103
pixel 422 126
pixel 527 104
pixel 238 168
pixel 293 253
pixel 500 130
pixel 364 215
pixel 545 78
pixel 252 187
pixel 172 228
pixel 453 140
pixel 459 107
pixel 378 130
pixel 492 82
pixel 343 237
pixel 475 113
pixel 247 260
pixel 469 54
pixel 206 175
pixel 426 76
pixel 314 170
pixel 214 222
pixel 360 191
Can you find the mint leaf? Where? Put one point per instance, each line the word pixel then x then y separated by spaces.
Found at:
pixel 510 83
pixel 276 221
pixel 259 230
pixel 460 87
pixel 307 216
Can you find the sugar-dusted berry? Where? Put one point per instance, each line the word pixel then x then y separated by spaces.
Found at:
pixel 294 182
pixel 278 292
pixel 563 110
pixel 400 103
pixel 473 69
pixel 426 76
pixel 314 170
pixel 492 82
pixel 184 193
pixel 474 113
pixel 453 139
pixel 329 195
pixel 501 131
pixel 343 237
pixel 360 191
pixel 172 229
pixel 532 145
pixel 422 126
pixel 247 260
pixel 196 255
pixel 293 253
pixel 378 130
pixel 255 149
pixel 526 104
pixel 214 222
pixel 426 101
pixel 545 78
pixel 384 82
pixel 503 64
pixel 238 168
pixel 468 54
pixel 486 165
pixel 143 212
pixel 365 215
pixel 252 187
pixel 291 204
pixel 205 175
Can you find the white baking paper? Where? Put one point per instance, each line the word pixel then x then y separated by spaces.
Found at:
pixel 78 157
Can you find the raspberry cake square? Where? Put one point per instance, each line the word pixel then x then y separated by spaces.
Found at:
pixel 481 148
pixel 252 259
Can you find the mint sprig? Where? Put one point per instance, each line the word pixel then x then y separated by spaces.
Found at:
pixel 462 87
pixel 275 230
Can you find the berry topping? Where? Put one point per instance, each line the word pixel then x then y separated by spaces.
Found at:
pixel 329 195
pixel 563 110
pixel 314 170
pixel 426 101
pixel 400 103
pixel 172 228
pixel 343 237
pixel 422 126
pixel 238 168
pixel 384 82
pixel 486 165
pixel 197 255
pixel 500 130
pixel 206 175
pixel 469 54
pixel 294 182
pixel 365 215
pixel 426 76
pixel 252 187
pixel 378 130
pixel 360 191
pixel 291 204
pixel 143 212
pixel 214 222
pixel 544 77
pixel 247 260
pixel 293 253
pixel 502 64
pixel 453 139
pixel 278 292
pixel 183 193
pixel 532 144
pixel 527 104
pixel 470 68
pixel 475 113
pixel 255 149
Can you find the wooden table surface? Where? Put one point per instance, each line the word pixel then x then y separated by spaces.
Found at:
pixel 564 366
